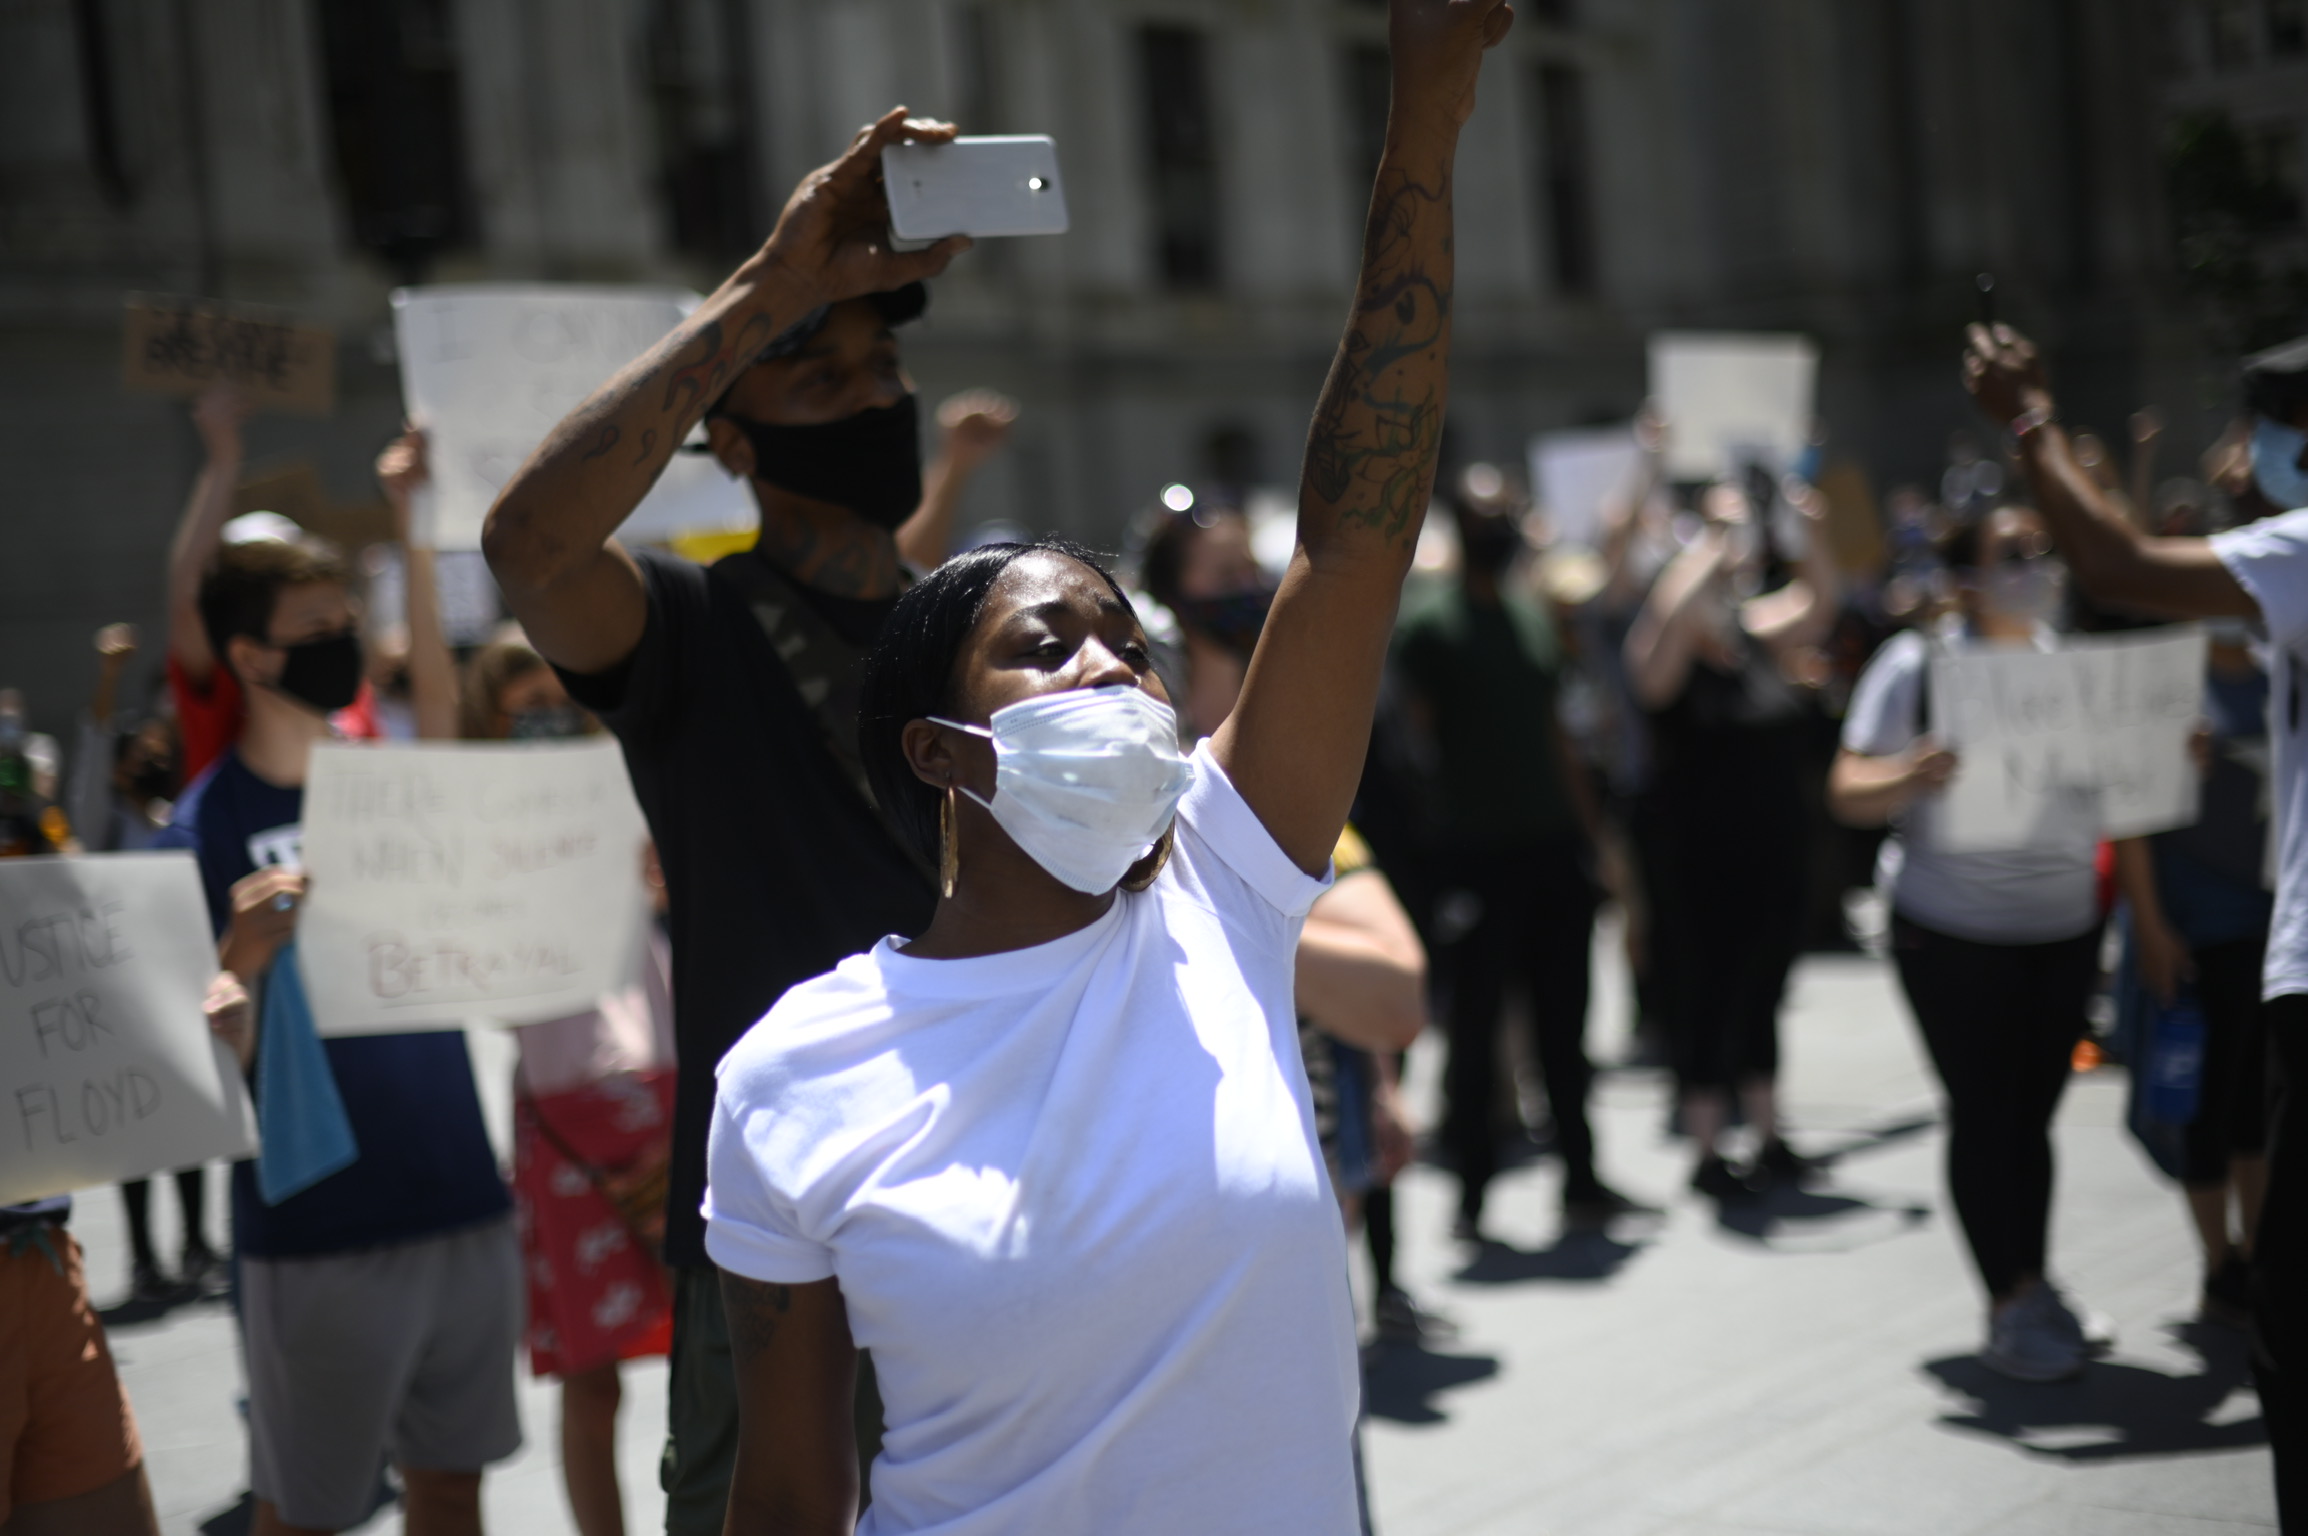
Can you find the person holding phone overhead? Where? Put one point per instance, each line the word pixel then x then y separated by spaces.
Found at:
pixel 733 688
pixel 1052 1161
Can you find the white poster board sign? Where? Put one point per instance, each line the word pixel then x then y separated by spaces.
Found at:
pixel 2106 718
pixel 460 880
pixel 1729 395
pixel 107 1068
pixel 488 369
pixel 1577 473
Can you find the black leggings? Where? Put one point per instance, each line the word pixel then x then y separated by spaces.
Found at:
pixel 2001 1023
pixel 2280 1263
pixel 1536 922
pixel 192 1200
pixel 2231 1111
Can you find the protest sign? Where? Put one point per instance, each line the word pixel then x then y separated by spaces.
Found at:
pixel 1577 473
pixel 107 1068
pixel 488 369
pixel 459 880
pixel 181 346
pixel 1732 395
pixel 2104 720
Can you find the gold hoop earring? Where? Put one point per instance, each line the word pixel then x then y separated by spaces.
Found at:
pixel 949 846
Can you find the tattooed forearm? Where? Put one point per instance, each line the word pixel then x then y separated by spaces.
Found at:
pixel 696 381
pixel 600 438
pixel 1370 456
pixel 648 445
pixel 755 1310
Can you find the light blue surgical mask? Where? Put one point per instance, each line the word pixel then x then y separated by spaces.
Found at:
pixel 2276 450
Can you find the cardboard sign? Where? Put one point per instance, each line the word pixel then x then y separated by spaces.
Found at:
pixel 488 370
pixel 107 1068
pixel 460 880
pixel 2104 721
pixel 181 346
pixel 1578 473
pixel 1729 396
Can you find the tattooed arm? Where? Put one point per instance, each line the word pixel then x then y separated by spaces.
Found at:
pixel 796 1469
pixel 549 536
pixel 1295 744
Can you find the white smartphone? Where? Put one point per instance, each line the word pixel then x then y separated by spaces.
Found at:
pixel 1005 184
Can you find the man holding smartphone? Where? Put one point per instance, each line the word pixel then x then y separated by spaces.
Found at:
pixel 732 687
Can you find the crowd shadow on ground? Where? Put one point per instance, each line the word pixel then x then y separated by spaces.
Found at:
pixel 2115 1409
pixel 1810 1218
pixel 1401 1381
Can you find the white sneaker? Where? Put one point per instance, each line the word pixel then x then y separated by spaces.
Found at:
pixel 2090 1329
pixel 2026 1343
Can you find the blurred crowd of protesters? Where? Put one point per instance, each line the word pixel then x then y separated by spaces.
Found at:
pixel 1706 724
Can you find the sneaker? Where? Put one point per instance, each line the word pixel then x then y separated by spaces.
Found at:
pixel 1778 1163
pixel 1720 1182
pixel 148 1285
pixel 2026 1343
pixel 201 1271
pixel 2227 1298
pixel 1401 1320
pixel 2089 1329
pixel 1593 1204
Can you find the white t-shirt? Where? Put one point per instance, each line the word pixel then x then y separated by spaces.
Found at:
pixel 2269 559
pixel 1073 1197
pixel 2033 895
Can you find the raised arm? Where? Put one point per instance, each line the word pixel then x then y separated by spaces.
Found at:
pixel 549 536
pixel 2112 560
pixel 971 426
pixel 1803 611
pixel 1664 640
pixel 1294 745
pixel 218 414
pixel 432 671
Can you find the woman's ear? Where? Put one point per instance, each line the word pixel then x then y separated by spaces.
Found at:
pixel 732 447
pixel 929 754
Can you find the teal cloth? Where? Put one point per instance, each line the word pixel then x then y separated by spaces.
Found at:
pixel 304 1133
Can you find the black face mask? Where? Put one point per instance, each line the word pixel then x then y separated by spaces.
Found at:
pixel 870 463
pixel 322 674
pixel 1233 619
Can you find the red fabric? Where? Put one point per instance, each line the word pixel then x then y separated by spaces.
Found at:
pixel 208 717
pixel 594 1295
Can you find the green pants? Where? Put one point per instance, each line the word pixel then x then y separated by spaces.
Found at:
pixel 701 1410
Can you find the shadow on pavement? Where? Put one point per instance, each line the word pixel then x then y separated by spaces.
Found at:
pixel 1402 1379
pixel 1584 1255
pixel 2114 1409
pixel 1876 1139
pixel 235 1521
pixel 1805 1220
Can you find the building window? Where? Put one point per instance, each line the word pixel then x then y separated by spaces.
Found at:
pixel 1566 178
pixel 698 52
pixel 1369 81
pixel 2288 28
pixel 1174 62
pixel 400 141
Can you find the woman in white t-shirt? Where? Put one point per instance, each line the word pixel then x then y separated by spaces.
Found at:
pixel 1997 952
pixel 1053 1162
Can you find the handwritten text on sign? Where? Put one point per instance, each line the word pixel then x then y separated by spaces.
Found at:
pixel 451 881
pixel 489 369
pixel 181 346
pixel 107 1068
pixel 2105 717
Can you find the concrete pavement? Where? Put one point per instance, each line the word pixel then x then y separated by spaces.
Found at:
pixel 1805 1370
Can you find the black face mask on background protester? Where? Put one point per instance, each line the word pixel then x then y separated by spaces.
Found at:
pixel 1489 544
pixel 870 463
pixel 1233 619
pixel 323 674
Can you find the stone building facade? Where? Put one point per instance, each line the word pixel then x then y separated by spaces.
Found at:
pixel 1841 167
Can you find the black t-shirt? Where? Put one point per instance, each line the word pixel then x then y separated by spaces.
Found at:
pixel 776 868
pixel 1732 763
